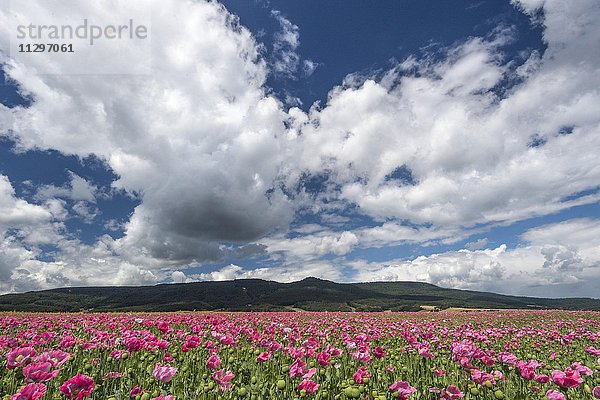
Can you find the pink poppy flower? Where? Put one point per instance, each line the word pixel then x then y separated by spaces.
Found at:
pixel 297 368
pixel 213 361
pixel 164 398
pixel 527 372
pixel 168 357
pixel 360 375
pixel 595 392
pixel 264 356
pixel 567 379
pixel 498 375
pixel 56 357
pixel 582 369
pixel 463 349
pixel 227 340
pixel 274 346
pixel 309 373
pixel 223 379
pixel 487 361
pixel 19 357
pixel 134 344
pixel 555 395
pixel 164 373
pixel 323 358
pixel 450 393
pixel 113 375
pixel 163 326
pixel 402 389
pixel 426 352
pixel 33 391
pixel 118 354
pixel 379 352
pixel 68 342
pixel 362 354
pixel 78 387
pixel 507 358
pixel 135 391
pixel 334 351
pixel 308 386
pixel 39 372
pixel 593 351
pixel 481 377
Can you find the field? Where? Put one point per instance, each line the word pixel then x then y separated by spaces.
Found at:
pixel 452 355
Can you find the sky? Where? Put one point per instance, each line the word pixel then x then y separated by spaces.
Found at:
pixel 448 142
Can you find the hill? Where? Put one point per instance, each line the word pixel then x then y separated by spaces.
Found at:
pixel 258 295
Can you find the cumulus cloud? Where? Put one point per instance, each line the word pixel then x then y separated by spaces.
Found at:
pixel 287 273
pixel 477 244
pixel 464 147
pixel 395 233
pixel 74 264
pixel 561 264
pixel 571 251
pixel 179 277
pixel 309 67
pixel 18 213
pixel 78 189
pixel 464 269
pixel 85 211
pixel 557 260
pixel 312 245
pixel 285 44
pixel 198 140
pixel 580 233
pixel 26 231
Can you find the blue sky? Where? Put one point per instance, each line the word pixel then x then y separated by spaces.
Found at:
pixel 449 142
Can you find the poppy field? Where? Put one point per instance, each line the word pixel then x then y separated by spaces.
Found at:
pixel 483 355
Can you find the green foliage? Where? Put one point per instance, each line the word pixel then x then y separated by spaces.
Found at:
pixel 310 294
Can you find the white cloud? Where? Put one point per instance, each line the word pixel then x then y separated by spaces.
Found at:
pixel 566 265
pixel 558 260
pixel 113 225
pixel 226 273
pixel 287 273
pixel 85 211
pixel 12 254
pixel 15 212
pixel 76 264
pixel 463 269
pixel 198 139
pixel 392 233
pixel 179 277
pixel 285 44
pixel 467 149
pixel 309 67
pixel 78 189
pixel 312 245
pixel 477 244
pixel 25 227
pixel 312 241
pixel 582 234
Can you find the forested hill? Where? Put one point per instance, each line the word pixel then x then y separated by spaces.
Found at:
pixel 309 294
